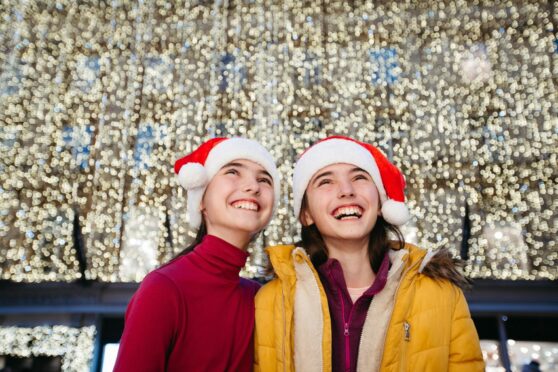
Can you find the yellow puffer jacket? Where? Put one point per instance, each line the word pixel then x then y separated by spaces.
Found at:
pixel 416 323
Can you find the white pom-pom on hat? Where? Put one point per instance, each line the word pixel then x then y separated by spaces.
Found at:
pixel 192 175
pixel 395 212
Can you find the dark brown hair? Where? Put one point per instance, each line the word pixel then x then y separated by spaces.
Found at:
pixel 378 245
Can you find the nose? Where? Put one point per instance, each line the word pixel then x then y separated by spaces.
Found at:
pixel 345 189
pixel 252 185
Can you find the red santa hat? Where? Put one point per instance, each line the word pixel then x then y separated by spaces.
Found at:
pixel 339 149
pixel 195 170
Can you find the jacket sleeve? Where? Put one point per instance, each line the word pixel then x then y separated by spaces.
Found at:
pixel 465 353
pixel 150 325
pixel 265 356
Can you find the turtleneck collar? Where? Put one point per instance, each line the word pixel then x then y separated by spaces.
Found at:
pixel 216 256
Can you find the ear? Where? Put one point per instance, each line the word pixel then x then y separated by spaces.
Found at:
pixel 306 218
pixel 379 203
pixel 201 208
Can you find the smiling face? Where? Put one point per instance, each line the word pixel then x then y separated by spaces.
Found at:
pixel 343 202
pixel 238 202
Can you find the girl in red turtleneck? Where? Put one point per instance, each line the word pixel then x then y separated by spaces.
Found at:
pixel 195 313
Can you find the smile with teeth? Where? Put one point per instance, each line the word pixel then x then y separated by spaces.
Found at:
pixel 352 212
pixel 245 204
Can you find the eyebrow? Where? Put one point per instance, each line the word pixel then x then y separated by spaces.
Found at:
pixel 358 169
pixel 329 173
pixel 233 164
pixel 321 175
pixel 266 173
pixel 240 165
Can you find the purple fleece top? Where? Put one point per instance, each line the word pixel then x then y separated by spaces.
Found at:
pixel 347 319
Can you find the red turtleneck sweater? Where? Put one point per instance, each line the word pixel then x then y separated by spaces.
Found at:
pixel 193 314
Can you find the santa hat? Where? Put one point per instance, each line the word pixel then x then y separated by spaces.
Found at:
pixel 338 149
pixel 198 168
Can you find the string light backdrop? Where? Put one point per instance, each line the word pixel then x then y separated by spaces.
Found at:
pixel 74 346
pixel 98 98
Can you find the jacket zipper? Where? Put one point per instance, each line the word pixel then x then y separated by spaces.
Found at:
pixel 406 324
pixel 407 329
pixel 406 339
pixel 284 328
pixel 407 270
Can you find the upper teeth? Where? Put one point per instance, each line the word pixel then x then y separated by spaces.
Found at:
pixel 246 205
pixel 347 212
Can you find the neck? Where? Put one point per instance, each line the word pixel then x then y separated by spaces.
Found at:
pixel 354 259
pixel 239 240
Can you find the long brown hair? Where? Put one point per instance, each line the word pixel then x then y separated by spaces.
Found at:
pixel 378 245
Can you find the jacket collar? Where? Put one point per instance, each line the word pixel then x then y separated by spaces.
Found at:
pixel 413 258
pixel 281 257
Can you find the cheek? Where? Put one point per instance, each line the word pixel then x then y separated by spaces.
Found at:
pixel 371 194
pixel 216 193
pixel 223 185
pixel 208 202
pixel 270 193
pixel 317 205
pixel 375 197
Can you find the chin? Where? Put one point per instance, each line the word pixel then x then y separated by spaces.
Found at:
pixel 250 228
pixel 354 233
pixel 355 236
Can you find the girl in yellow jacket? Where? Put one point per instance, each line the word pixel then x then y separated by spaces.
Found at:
pixel 351 299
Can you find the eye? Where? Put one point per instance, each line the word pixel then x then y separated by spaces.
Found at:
pixel 361 177
pixel 265 180
pixel 231 171
pixel 324 181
